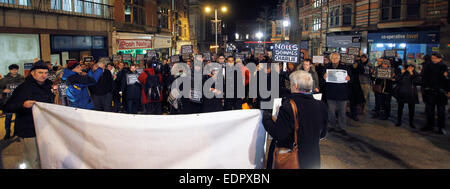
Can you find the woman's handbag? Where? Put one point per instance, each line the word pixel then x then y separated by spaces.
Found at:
pixel 285 158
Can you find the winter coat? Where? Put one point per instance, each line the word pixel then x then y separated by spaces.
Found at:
pixel 28 90
pixel 337 91
pixel 77 91
pixel 143 80
pixel 133 91
pixel 435 84
pixel 405 90
pixel 104 85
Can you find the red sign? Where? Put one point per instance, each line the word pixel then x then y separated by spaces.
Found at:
pixel 134 44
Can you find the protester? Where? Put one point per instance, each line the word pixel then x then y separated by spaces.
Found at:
pixel 165 71
pixel 35 88
pixel 321 70
pixel 151 95
pixel 436 90
pixel 213 104
pixel 118 97
pixel 77 83
pixel 131 90
pixel 405 91
pixel 307 66
pixel 356 96
pixel 337 96
pixel 365 70
pixel 232 100
pixel 8 84
pixel 383 90
pixel 312 123
pixel 101 92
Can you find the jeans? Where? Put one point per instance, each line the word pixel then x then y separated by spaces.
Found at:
pixel 339 106
pixel 430 108
pixel 8 120
pixel 103 102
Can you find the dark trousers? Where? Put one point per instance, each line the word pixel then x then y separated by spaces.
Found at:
pixel 232 104
pixel 133 106
pixel 430 109
pixel 411 108
pixel 103 102
pixel 353 109
pixel 8 120
pixel 117 104
pixel 384 103
pixel 154 108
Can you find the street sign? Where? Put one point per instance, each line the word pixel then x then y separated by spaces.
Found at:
pixel 187 49
pixel 285 52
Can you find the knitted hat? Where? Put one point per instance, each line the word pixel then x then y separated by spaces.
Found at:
pixel 39 65
pixel 72 64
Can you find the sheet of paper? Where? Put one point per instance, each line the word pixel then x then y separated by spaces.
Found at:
pixel 317 96
pixel 336 76
pixel 276 106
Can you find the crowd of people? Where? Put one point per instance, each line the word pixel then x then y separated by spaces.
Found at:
pixel 146 88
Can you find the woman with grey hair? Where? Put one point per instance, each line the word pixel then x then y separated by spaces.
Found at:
pixel 311 116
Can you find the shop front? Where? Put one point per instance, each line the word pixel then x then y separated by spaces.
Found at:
pixel 18 49
pixel 410 46
pixel 64 47
pixel 163 45
pixel 132 44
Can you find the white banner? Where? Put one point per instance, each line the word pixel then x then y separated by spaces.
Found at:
pixel 83 139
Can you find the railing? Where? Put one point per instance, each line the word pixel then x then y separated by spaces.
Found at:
pixel 87 8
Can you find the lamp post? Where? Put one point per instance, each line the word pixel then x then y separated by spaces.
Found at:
pixel 207 10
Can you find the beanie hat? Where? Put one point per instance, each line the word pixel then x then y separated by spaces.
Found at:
pixel 39 65
pixel 72 64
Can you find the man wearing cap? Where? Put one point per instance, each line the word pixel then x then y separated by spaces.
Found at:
pixel 77 83
pixel 36 88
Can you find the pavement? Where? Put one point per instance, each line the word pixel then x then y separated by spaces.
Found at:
pixel 369 144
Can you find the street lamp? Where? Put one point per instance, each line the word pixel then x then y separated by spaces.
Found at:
pixel 259 35
pixel 208 10
pixel 286 23
pixel 237 36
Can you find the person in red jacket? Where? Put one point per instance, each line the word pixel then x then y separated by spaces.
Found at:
pixel 152 106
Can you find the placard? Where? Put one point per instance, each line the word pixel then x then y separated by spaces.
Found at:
pixel 139 57
pixel 132 79
pixel 259 50
pixel 126 57
pixel 11 87
pixel 105 60
pixel 207 56
pixel 151 54
pixel 175 59
pixel 384 73
pixel 139 70
pixel 117 57
pixel 240 56
pixel 62 89
pixel 187 49
pixel 285 52
pixel 346 58
pixel 277 102
pixel 228 54
pixel 185 57
pixel 390 53
pixel 336 76
pixel 353 51
pixel 318 59
pixel 88 59
pixel 196 96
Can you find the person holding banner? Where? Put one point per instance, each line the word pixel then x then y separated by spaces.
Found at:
pixel 337 96
pixel 36 88
pixel 311 116
pixel 8 84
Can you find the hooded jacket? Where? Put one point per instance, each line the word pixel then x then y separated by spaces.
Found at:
pixel 77 91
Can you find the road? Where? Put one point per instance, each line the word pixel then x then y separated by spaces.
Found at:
pixel 370 144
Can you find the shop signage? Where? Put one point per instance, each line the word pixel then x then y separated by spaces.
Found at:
pixel 404 37
pixel 134 44
pixel 285 52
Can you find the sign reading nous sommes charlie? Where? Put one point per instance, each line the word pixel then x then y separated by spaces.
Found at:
pixel 285 52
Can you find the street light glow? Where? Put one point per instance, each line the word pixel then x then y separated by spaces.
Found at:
pixel 224 9
pixel 237 36
pixel 259 35
pixel 208 9
pixel 286 23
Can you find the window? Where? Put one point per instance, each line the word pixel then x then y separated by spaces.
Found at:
pixel 306 24
pixel 390 9
pixel 25 2
pixel 278 29
pixel 91 7
pixel 316 23
pixel 134 12
pixel 317 3
pixel 163 17
pixel 55 4
pixel 413 8
pixel 347 15
pixel 67 5
pixel 334 17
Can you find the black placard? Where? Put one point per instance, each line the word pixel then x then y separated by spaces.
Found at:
pixel 207 56
pixel 187 49
pixel 353 51
pixel 285 52
pixel 88 59
pixel 175 59
pixel 151 54
pixel 139 57
pixel 117 57
pixel 384 73
pixel 126 57
pixel 346 58
pixel 390 53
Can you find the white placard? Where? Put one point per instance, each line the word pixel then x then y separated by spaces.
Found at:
pixel 336 76
pixel 318 59
pixel 317 96
pixel 276 106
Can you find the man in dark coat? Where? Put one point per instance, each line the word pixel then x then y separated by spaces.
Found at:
pixel 436 91
pixel 132 90
pixel 356 96
pixel 101 92
pixel 312 118
pixel 406 92
pixel 36 88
